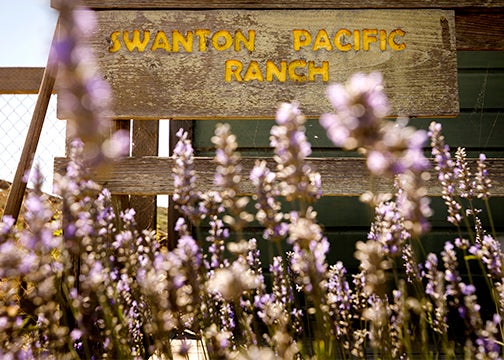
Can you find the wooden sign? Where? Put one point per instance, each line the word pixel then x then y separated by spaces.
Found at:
pixel 241 63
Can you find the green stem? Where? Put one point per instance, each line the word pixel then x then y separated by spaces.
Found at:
pixel 490 218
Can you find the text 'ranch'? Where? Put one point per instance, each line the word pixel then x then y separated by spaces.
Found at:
pixel 269 70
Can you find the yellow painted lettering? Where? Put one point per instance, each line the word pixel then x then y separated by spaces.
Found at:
pixel 313 71
pixel 392 42
pixel 322 41
pixel 342 33
pixel 226 36
pixel 178 39
pixel 249 43
pixel 301 38
pixel 356 39
pixel 293 65
pixel 233 68
pixel 253 72
pixel 368 36
pixel 160 42
pixel 383 40
pixel 135 42
pixel 115 44
pixel 273 70
pixel 202 35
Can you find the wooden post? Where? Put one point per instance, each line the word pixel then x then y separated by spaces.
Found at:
pixel 145 143
pixel 120 202
pixel 21 177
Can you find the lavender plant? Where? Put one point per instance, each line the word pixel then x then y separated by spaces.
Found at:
pixel 86 283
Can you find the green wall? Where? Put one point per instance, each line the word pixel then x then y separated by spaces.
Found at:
pixel 478 128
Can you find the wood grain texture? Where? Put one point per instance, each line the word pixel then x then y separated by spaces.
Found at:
pixel 20 80
pixel 284 4
pixel 190 84
pixel 480 29
pixel 340 176
pixel 145 143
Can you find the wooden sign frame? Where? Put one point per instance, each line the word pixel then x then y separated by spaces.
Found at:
pixel 232 64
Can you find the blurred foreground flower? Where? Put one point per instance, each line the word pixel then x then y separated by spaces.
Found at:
pixel 392 149
pixel 84 97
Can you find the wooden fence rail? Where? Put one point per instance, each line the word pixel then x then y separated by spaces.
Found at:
pixel 340 176
pixel 480 24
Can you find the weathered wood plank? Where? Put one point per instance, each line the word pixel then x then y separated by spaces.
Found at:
pixel 340 176
pixel 480 29
pixel 145 143
pixel 241 64
pixel 20 80
pixel 120 202
pixel 284 4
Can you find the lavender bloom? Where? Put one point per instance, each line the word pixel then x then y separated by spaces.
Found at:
pixel 275 316
pixel 232 281
pixel 360 105
pixel 463 174
pixel 219 341
pixel 391 149
pixel 227 177
pixel 413 203
pixel 339 300
pixel 38 215
pixel 397 150
pixel 470 312
pixel 373 265
pixel 489 251
pixel 281 287
pixel 253 258
pixel 217 237
pixel 399 319
pixel 297 179
pixel 273 310
pixel 435 289
pixel 446 170
pixel 452 276
pixel 411 266
pixel 268 208
pixel 308 260
pixel 487 345
pixel 185 195
pixel 483 182
pixel 378 314
pixel 388 228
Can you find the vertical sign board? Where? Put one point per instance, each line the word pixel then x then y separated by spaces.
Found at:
pixel 242 63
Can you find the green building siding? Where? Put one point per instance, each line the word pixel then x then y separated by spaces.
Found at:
pixel 478 128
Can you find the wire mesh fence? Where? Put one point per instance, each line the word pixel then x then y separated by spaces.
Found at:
pixel 15 116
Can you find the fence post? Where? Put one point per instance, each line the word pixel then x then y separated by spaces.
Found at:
pixel 18 187
pixel 145 143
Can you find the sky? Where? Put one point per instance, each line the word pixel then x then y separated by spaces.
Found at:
pixel 27 28
pixel 26 31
